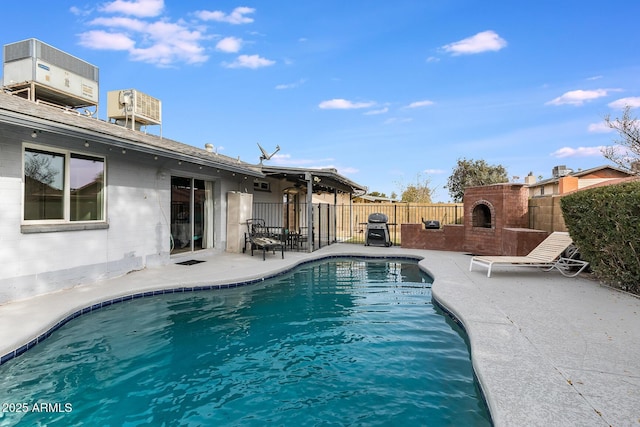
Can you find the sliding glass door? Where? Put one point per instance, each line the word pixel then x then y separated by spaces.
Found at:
pixel 191 214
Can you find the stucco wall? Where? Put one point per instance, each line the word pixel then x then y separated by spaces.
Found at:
pixel 137 236
pixel 138 201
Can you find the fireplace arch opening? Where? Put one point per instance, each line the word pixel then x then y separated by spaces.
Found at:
pixel 481 216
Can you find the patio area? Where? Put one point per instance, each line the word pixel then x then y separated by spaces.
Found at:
pixel 547 350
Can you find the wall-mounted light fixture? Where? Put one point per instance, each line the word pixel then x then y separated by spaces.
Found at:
pixel 34 134
pixel 86 144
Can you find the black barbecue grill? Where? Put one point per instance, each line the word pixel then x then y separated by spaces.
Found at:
pixel 431 224
pixel 378 230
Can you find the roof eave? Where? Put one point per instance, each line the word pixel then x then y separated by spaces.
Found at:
pixel 27 121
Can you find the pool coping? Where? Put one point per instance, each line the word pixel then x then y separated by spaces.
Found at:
pixel 524 379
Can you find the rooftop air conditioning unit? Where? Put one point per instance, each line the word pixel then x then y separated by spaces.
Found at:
pixel 37 71
pixel 131 107
pixel 560 171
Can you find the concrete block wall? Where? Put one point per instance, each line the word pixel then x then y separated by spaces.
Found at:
pixel 545 213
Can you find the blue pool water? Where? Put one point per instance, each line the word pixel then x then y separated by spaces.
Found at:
pixel 339 342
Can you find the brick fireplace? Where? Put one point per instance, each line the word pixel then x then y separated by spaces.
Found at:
pixel 496 222
pixel 488 210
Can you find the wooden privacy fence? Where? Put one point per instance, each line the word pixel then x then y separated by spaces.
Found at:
pixel 348 223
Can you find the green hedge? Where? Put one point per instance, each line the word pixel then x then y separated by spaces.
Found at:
pixel 604 223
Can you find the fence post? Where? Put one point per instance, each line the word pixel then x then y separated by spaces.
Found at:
pixel 319 225
pixel 395 221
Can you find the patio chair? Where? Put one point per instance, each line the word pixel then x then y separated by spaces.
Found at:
pixel 548 255
pixel 259 237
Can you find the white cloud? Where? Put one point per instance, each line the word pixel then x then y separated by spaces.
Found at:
pixel 578 97
pixel 106 41
pixel 229 44
pixel 347 170
pixel 577 152
pixel 343 104
pixel 393 120
pixel 79 12
pixel 237 16
pixel 158 42
pixel 168 43
pixel 601 127
pixel 435 171
pixel 290 85
pixel 132 24
pixel 141 8
pixel 375 112
pixel 289 161
pixel 250 61
pixel 482 42
pixel 433 59
pixel 419 104
pixel 633 102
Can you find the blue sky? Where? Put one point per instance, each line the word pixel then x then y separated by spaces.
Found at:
pixel 386 92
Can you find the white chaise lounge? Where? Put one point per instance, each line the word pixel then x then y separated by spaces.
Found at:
pixel 548 255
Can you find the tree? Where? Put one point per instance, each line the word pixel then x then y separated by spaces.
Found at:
pixel 39 168
pixel 471 173
pixel 626 152
pixel 377 194
pixel 420 192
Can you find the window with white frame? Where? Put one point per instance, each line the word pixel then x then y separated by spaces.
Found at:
pixel 62 186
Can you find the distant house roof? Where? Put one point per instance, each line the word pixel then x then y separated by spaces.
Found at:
pixel 614 181
pixel 17 111
pixel 581 173
pixel 377 199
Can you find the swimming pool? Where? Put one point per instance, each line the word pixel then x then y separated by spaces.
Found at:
pixel 347 341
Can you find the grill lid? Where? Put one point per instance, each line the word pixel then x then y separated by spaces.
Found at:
pixel 378 218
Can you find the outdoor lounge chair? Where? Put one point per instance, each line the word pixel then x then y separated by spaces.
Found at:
pixel 548 254
pixel 259 237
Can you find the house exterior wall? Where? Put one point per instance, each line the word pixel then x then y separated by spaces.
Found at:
pixel 567 184
pixel 138 206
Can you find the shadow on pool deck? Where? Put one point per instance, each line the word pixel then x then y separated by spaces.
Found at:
pixel 547 350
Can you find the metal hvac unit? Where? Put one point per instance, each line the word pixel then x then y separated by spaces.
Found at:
pixel 36 71
pixel 132 108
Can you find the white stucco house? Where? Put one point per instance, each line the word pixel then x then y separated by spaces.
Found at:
pixel 84 199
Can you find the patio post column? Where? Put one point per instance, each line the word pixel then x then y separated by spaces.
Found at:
pixel 309 178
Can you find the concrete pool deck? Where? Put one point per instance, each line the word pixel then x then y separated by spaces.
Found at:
pixel 547 349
